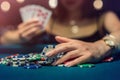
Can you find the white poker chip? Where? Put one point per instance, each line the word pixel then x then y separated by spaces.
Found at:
pixel 61 65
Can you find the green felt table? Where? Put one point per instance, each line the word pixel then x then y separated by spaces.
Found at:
pixel 101 71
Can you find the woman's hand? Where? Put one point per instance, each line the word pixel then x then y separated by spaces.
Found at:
pixel 29 29
pixel 25 32
pixel 79 51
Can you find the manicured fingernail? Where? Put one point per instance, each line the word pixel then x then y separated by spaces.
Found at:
pixel 67 65
pixel 48 54
pixel 54 63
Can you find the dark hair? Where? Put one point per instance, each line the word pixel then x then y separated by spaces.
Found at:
pixel 87 9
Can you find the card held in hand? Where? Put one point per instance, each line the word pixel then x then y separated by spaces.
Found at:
pixel 36 11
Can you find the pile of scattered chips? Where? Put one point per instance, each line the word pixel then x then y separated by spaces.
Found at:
pixel 31 60
pixel 37 60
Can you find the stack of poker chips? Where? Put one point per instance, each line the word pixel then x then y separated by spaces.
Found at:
pixel 31 60
pixel 37 60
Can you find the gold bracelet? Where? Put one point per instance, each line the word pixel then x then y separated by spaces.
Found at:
pixel 110 41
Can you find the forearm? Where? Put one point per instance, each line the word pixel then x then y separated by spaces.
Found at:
pixel 111 23
pixel 104 48
pixel 9 37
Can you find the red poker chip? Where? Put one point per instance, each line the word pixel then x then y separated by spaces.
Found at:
pixel 108 59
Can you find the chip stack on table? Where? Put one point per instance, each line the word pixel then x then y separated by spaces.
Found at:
pixel 37 60
pixel 31 60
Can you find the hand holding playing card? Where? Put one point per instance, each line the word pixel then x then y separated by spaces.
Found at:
pixel 38 12
pixel 29 29
pixel 35 19
pixel 25 32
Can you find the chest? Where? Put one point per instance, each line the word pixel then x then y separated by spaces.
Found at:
pixel 76 31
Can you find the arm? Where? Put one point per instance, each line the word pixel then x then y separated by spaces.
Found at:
pixel 112 24
pixel 25 32
pixel 82 52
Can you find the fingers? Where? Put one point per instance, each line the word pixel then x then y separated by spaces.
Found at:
pixel 28 23
pixel 64 47
pixel 76 61
pixel 86 57
pixel 29 29
pixel 26 28
pixel 29 34
pixel 77 58
pixel 70 55
pixel 62 39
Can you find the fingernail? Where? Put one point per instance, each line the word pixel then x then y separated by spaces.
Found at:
pixel 54 63
pixel 47 54
pixel 67 65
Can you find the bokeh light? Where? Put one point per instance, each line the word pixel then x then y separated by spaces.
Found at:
pixel 53 3
pixel 20 1
pixel 98 4
pixel 5 6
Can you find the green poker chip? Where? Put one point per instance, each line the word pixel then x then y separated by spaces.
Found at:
pixel 86 65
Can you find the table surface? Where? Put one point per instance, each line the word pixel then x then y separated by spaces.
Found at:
pixel 101 71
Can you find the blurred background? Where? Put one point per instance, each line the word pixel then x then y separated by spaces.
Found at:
pixel 9 10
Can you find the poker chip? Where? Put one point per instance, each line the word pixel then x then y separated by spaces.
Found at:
pixel 37 60
pixel 32 66
pixel 109 59
pixel 86 65
pixel 61 65
pixel 31 60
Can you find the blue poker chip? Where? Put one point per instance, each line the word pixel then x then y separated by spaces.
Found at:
pixel 32 66
pixel 27 56
pixel 30 63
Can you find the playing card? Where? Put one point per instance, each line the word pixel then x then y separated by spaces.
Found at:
pixel 24 13
pixel 35 11
pixel 46 16
pixel 43 15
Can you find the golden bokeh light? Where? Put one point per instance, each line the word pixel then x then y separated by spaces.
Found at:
pixel 5 6
pixel 98 4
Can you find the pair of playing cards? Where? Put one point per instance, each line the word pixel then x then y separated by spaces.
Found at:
pixel 35 11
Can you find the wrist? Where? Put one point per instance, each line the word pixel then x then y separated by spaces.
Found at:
pixel 2 40
pixel 103 48
pixel 103 45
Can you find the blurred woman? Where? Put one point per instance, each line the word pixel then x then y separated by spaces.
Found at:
pixel 75 19
pixel 72 18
